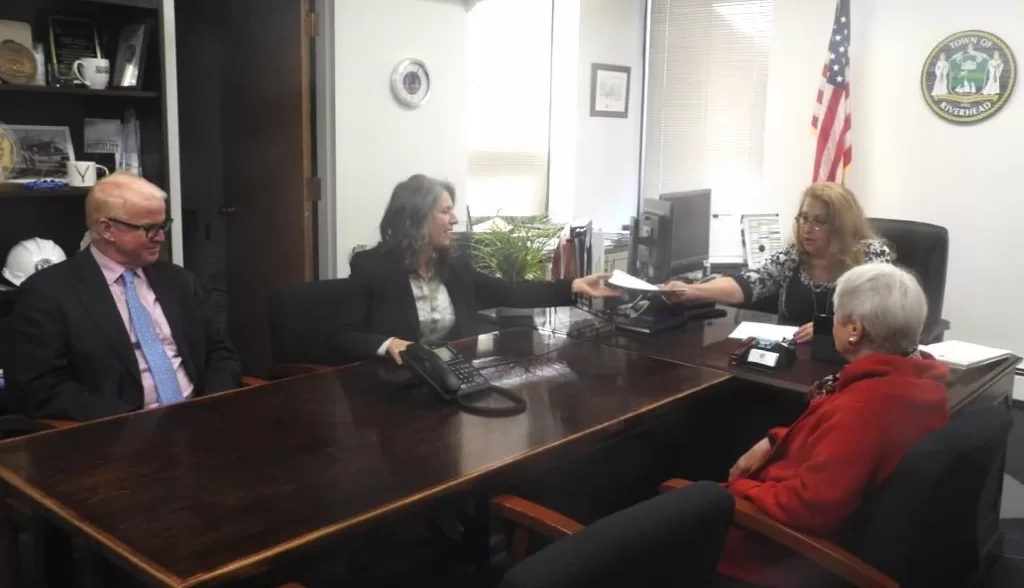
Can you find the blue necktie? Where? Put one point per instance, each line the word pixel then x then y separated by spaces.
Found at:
pixel 164 377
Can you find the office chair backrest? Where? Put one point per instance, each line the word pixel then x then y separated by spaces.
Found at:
pixel 920 527
pixel 301 316
pixel 672 540
pixel 923 249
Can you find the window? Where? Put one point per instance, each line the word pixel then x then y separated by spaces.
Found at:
pixel 708 73
pixel 509 79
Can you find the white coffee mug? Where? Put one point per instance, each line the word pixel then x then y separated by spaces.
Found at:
pixel 82 174
pixel 92 72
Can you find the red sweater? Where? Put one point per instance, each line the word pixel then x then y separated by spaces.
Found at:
pixel 843 445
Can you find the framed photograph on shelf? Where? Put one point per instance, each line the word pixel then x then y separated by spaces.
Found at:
pixel 45 152
pixel 609 90
pixel 130 62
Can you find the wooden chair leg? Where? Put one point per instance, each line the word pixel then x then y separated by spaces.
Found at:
pixel 93 569
pixel 520 545
pixel 10 554
pixel 51 556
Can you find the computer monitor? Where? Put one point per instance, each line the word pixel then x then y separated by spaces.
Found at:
pixel 691 230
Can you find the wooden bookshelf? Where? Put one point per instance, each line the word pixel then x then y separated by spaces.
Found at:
pixel 78 91
pixel 58 214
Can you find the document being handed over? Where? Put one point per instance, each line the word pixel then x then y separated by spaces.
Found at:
pixel 624 281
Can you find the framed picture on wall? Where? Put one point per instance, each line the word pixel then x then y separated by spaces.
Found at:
pixel 609 90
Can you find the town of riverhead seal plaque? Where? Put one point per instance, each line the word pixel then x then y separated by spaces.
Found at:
pixel 968 77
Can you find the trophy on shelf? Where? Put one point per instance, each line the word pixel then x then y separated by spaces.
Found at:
pixel 71 40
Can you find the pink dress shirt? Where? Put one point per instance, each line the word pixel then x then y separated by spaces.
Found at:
pixel 112 273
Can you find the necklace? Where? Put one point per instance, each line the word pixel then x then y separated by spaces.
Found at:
pixel 818 289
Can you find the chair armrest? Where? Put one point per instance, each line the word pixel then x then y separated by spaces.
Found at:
pixel 287 370
pixel 533 516
pixel 250 381
pixel 16 425
pixel 59 424
pixel 824 553
pixel 672 484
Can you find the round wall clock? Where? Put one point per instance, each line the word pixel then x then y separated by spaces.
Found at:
pixel 410 83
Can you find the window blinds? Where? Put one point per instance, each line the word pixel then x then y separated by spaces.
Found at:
pixel 708 72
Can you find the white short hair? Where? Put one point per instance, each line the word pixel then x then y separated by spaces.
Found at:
pixel 888 301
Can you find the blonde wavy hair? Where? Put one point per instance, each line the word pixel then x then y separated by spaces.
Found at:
pixel 847 226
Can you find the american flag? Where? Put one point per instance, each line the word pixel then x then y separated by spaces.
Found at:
pixel 831 120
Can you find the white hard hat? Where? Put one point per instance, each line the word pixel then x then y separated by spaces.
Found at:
pixel 30 256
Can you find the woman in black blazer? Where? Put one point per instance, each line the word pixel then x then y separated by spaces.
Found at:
pixel 411 288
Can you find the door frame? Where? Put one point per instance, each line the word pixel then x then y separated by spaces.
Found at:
pixel 169 50
pixel 325 129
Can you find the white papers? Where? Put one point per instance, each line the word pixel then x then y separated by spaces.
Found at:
pixel 102 135
pixel 726 239
pixel 963 355
pixel 763 331
pixel 763 236
pixel 621 279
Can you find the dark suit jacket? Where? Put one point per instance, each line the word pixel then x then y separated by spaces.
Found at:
pixel 381 303
pixel 70 355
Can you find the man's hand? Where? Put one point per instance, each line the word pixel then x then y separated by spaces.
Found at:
pixel 804 333
pixel 395 349
pixel 594 287
pixel 751 460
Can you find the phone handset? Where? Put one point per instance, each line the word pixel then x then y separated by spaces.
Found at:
pixel 445 370
pixel 456 379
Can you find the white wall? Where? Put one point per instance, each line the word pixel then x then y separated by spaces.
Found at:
pixel 907 162
pixel 608 149
pixel 800 31
pixel 379 143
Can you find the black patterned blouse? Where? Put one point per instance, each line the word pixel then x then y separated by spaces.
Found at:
pixel 799 298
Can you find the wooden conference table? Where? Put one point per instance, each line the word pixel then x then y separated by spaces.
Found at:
pixel 227 487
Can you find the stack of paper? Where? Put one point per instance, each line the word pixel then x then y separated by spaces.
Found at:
pixel 763 331
pixel 964 355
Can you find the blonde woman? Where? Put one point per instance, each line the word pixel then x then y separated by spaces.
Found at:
pixel 830 236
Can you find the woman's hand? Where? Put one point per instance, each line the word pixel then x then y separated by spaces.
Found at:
pixel 675 292
pixel 594 286
pixel 396 347
pixel 751 460
pixel 804 333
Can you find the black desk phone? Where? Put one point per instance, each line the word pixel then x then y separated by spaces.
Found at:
pixel 457 380
pixel 447 372
pixel 764 354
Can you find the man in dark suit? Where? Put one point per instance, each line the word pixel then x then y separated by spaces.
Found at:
pixel 115 329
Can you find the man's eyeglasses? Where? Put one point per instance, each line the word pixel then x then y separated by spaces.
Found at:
pixel 151 231
pixel 815 224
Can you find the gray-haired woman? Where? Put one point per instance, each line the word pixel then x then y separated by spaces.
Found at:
pixel 411 288
pixel 813 474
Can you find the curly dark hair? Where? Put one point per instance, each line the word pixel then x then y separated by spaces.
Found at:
pixel 403 228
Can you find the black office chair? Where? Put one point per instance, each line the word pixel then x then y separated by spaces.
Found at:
pixel 300 316
pixel 919 529
pixel 923 249
pixel 671 540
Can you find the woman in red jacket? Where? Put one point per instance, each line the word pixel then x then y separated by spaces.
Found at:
pixel 813 474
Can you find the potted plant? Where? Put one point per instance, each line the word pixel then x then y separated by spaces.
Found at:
pixel 515 249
